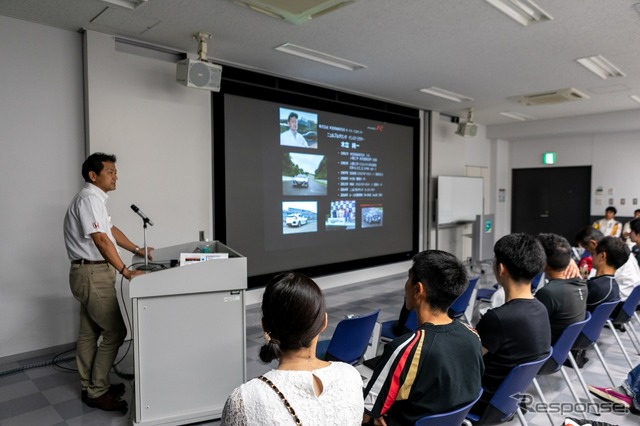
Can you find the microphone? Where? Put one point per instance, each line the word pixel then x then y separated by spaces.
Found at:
pixel 142 215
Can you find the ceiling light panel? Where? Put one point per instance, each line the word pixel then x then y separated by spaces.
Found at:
pixel 445 94
pixel 525 12
pixel 517 116
pixel 129 4
pixel 324 58
pixel 601 66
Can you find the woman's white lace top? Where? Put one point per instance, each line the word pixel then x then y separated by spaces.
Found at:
pixel 340 403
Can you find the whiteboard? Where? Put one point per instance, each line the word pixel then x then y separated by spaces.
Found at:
pixel 459 199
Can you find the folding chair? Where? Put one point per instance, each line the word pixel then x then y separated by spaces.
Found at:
pixel 625 316
pixel 350 339
pixel 588 337
pixel 504 405
pixel 386 331
pixel 461 304
pixel 560 352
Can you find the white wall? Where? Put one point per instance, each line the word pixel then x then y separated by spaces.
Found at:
pixel 41 136
pixel 613 158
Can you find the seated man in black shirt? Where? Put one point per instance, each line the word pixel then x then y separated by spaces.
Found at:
pixel 564 298
pixel 611 253
pixel 518 331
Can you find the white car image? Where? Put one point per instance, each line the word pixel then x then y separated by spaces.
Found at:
pixel 296 220
pixel 301 180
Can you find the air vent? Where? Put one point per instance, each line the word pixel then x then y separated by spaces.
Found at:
pixel 552 97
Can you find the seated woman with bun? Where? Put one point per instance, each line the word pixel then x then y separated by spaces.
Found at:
pixel 302 390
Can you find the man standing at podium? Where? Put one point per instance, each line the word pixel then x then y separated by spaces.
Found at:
pixel 91 241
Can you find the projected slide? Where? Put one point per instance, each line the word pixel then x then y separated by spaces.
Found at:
pixel 308 187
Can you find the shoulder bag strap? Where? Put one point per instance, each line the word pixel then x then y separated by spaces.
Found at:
pixel 284 400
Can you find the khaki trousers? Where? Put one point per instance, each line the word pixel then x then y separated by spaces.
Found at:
pixel 94 287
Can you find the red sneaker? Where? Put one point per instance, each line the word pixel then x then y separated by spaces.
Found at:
pixel 612 395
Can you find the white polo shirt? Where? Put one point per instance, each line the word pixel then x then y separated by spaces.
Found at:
pixel 86 215
pixel 287 138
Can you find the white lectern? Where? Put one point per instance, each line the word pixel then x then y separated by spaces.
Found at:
pixel 188 328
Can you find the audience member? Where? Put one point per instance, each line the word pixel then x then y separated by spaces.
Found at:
pixel 302 389
pixel 626 229
pixel 608 225
pixel 564 298
pixel 627 276
pixel 634 235
pixel 517 331
pixel 611 253
pixel 438 367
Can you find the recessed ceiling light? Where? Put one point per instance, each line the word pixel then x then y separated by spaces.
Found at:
pixel 517 116
pixel 129 4
pixel 600 66
pixel 524 12
pixel 635 98
pixel 445 94
pixel 324 58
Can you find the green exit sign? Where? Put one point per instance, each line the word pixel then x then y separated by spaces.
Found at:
pixel 549 158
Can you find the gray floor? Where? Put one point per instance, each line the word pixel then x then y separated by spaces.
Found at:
pixel 50 395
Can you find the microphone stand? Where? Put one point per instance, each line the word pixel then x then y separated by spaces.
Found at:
pixel 146 248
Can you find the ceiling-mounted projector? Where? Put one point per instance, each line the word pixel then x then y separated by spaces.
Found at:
pixel 469 128
pixel 200 73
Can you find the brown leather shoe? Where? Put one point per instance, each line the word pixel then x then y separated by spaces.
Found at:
pixel 116 390
pixel 107 402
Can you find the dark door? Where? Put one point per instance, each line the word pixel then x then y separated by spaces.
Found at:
pixel 553 200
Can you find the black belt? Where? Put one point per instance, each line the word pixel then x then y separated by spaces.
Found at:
pixel 88 262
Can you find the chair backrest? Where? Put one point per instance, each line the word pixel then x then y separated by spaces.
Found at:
pixel 462 302
pixel 592 329
pixel 351 338
pixel 452 418
pixel 516 382
pixel 535 282
pixel 563 345
pixel 629 306
pixel 411 323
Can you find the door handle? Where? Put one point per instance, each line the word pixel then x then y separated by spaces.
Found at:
pixel 545 214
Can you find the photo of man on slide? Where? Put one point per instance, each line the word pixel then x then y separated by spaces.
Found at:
pixel 298 129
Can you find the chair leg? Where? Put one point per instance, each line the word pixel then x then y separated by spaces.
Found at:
pixel 570 385
pixel 582 382
pixel 543 399
pixel 632 329
pixel 523 422
pixel 604 364
pixel 624 351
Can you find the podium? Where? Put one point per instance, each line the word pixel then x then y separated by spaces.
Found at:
pixel 188 329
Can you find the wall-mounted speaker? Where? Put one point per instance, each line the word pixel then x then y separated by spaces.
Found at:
pixel 199 74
